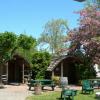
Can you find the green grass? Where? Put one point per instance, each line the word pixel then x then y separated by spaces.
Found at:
pixel 56 96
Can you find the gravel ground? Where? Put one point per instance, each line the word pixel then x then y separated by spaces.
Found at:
pixel 11 92
pixel 20 92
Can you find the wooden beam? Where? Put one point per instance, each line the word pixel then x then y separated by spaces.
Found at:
pixel 53 73
pixel 7 71
pixel 23 73
pixel 62 69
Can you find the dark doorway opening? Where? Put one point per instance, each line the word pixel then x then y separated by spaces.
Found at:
pixel 14 71
pixel 72 74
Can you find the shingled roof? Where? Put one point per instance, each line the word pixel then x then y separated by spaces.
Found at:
pixel 55 62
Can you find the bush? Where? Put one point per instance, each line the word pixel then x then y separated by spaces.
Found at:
pixel 56 80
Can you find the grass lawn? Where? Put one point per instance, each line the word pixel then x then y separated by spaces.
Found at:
pixel 56 96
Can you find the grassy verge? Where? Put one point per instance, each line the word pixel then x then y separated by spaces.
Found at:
pixel 56 96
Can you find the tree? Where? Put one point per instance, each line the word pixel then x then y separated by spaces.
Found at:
pixel 86 37
pixel 7 42
pixel 40 61
pixel 26 42
pixel 53 34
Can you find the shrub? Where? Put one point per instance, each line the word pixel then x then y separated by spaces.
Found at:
pixel 56 80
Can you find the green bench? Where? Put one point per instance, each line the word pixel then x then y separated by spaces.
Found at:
pixel 87 87
pixel 44 83
pixel 70 93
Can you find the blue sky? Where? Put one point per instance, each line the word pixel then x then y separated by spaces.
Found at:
pixel 31 15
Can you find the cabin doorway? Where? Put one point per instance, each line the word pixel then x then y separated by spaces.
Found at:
pixel 14 71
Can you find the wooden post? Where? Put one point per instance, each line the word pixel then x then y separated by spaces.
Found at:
pixel 61 69
pixel 7 71
pixel 1 69
pixel 23 73
pixel 53 73
pixel 0 76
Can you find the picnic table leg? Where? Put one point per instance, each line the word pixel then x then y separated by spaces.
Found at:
pixel 61 95
pixel 42 87
pixel 52 88
pixel 29 87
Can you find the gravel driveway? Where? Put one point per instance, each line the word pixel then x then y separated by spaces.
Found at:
pixel 13 92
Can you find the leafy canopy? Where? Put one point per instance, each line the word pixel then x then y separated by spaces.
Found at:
pixel 7 43
pixel 26 42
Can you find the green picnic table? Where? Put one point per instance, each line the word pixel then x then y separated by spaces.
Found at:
pixel 43 83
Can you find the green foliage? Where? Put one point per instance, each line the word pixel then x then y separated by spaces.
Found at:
pixel 56 80
pixel 26 42
pixel 85 68
pixel 7 40
pixel 85 72
pixel 7 43
pixel 40 61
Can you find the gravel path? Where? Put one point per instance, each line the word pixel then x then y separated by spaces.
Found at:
pixel 14 92
pixel 20 92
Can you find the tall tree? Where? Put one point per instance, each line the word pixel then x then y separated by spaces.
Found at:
pixel 53 34
pixel 87 36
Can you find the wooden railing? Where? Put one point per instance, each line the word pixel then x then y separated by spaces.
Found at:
pixel 4 79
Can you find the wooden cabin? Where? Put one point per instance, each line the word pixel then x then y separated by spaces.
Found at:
pixel 64 66
pixel 15 70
